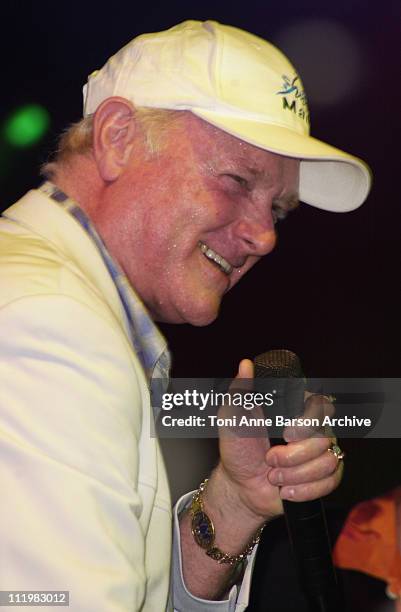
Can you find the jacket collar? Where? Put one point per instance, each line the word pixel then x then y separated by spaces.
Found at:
pixel 37 213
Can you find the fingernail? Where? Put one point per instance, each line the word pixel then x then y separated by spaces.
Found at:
pixel 241 370
pixel 278 477
pixel 288 494
pixel 245 369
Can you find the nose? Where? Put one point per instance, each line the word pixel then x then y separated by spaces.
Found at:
pixel 258 237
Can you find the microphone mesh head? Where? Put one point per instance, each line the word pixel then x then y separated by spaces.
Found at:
pixel 278 363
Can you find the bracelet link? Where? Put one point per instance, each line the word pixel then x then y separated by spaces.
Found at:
pixel 204 532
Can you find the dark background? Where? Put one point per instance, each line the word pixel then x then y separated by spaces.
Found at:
pixel 330 291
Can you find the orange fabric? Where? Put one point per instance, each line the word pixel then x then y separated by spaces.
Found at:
pixel 370 540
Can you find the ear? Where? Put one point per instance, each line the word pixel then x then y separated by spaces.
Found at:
pixel 113 136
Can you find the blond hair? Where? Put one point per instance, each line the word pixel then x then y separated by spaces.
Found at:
pixel 77 139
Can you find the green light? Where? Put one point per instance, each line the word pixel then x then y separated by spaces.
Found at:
pixel 27 125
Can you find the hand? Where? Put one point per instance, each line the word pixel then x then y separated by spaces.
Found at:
pixel 247 487
pixel 261 476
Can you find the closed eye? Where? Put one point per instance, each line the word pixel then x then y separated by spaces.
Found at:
pixel 239 179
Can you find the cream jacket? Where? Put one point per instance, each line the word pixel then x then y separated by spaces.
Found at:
pixel 85 500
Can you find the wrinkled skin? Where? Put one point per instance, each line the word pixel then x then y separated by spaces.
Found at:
pixel 204 186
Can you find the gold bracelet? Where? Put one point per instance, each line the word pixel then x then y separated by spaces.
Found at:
pixel 204 533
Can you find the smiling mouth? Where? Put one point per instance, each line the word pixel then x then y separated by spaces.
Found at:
pixel 215 258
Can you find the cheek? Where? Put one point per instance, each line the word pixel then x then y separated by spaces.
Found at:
pixel 168 244
pixel 219 203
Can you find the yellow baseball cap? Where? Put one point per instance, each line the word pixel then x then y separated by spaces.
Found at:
pixel 243 85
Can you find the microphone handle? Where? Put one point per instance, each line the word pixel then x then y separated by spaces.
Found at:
pixel 306 521
pixel 310 544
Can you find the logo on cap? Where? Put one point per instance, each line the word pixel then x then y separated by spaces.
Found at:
pixel 294 97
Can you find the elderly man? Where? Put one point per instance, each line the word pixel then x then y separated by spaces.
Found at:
pixel 194 143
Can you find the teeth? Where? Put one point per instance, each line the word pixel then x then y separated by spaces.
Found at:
pixel 218 259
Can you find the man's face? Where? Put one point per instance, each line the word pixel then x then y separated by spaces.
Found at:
pixel 187 223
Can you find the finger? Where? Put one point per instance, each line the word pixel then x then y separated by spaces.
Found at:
pixel 244 378
pixel 313 490
pixel 316 408
pixel 238 402
pixel 296 453
pixel 317 469
pixel 240 384
pixel 246 369
pixel 243 381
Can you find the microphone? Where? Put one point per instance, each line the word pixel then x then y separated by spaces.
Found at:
pixel 306 521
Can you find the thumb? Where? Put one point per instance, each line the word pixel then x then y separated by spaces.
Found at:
pixel 245 369
pixel 244 378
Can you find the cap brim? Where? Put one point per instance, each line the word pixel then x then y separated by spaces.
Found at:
pixel 329 178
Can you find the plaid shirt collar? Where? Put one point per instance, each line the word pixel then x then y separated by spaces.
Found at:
pixel 147 340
